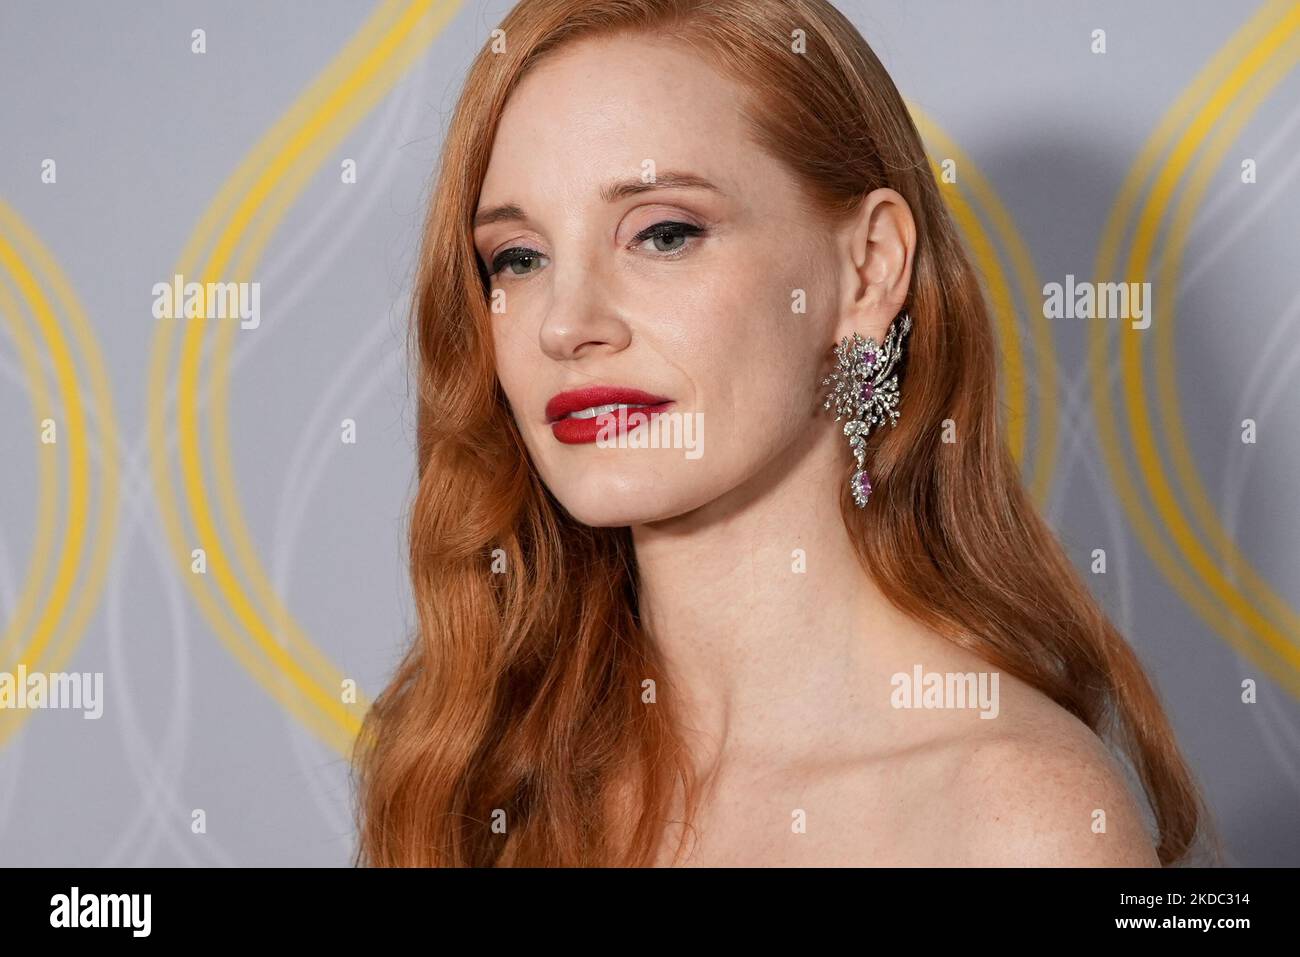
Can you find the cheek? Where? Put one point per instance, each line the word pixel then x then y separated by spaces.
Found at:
pixel 515 349
pixel 515 368
pixel 751 356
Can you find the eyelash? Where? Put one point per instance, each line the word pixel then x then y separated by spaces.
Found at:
pixel 666 228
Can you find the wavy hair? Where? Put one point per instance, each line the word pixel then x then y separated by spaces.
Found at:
pixel 513 731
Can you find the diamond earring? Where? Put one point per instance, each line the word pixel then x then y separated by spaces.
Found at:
pixel 866 392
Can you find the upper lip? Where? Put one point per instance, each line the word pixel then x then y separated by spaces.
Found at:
pixel 576 400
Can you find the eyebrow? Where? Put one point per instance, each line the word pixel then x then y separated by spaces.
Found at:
pixel 610 193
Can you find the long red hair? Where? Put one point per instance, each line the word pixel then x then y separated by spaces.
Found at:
pixel 513 732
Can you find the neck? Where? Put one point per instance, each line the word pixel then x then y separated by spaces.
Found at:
pixel 778 644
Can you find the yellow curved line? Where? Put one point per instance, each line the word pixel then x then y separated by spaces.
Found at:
pixel 73 431
pixel 269 219
pixel 243 650
pixel 337 724
pixel 236 185
pixel 41 562
pixel 1166 374
pixel 1100 359
pixel 109 438
pixel 76 434
pixel 334 74
pixel 389 49
pixel 995 211
pixel 1139 421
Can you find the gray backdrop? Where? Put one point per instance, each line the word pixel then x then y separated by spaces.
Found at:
pixel 199 710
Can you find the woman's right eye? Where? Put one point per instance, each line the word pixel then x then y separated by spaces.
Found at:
pixel 516 256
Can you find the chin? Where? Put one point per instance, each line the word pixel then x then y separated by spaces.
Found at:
pixel 611 501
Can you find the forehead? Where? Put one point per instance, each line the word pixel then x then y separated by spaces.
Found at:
pixel 598 108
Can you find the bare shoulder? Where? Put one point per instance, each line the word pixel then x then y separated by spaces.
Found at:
pixel 1044 790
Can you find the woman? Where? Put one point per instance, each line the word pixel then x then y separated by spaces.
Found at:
pixel 745 650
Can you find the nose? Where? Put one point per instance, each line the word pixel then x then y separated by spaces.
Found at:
pixel 582 317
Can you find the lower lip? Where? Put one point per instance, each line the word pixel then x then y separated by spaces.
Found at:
pixel 579 431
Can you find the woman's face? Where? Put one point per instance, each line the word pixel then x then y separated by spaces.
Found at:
pixel 608 276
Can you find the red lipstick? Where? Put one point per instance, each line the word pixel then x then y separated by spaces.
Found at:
pixel 574 431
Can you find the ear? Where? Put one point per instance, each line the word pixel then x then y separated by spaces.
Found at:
pixel 876 243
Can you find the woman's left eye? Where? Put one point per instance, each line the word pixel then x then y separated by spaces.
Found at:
pixel 668 232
